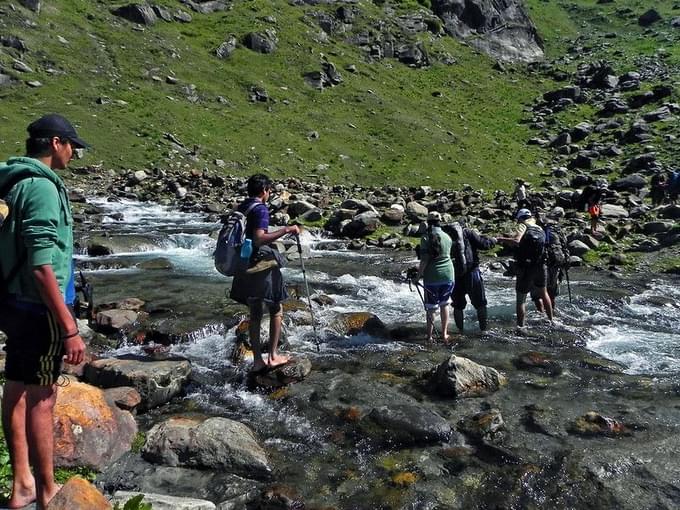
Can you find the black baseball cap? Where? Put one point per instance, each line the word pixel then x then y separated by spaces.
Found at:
pixel 54 124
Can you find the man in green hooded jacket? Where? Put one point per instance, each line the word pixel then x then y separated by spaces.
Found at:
pixel 36 241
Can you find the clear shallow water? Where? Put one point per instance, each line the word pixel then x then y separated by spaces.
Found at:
pixel 637 325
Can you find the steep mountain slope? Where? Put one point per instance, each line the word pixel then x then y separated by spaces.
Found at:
pixel 358 91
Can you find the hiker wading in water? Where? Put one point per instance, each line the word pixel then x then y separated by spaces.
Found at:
pixel 529 244
pixel 259 282
pixel 436 270
pixel 468 280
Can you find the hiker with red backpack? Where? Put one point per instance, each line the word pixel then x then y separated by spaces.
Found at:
pixel 529 243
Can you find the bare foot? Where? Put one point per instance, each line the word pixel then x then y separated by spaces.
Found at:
pixel 48 495
pixel 276 360
pixel 22 496
pixel 447 339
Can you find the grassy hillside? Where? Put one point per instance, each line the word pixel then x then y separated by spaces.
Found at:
pixel 385 124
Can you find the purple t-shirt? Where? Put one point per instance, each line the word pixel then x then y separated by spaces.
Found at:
pixel 258 217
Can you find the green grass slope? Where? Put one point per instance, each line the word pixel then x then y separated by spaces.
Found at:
pixel 386 123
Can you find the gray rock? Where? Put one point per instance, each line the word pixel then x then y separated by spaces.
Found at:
pixel 138 176
pixel 261 42
pixel 212 443
pixel 33 5
pixel 137 13
pixel 362 225
pixel 662 113
pixel 657 227
pixel 5 80
pixel 416 211
pixel 115 320
pixel 675 22
pixel 163 501
pixel 671 211
pixel 226 48
pixel 613 211
pixel 294 371
pixel 300 207
pixel 460 377
pixel 21 67
pixel 163 13
pixel 156 381
pixel 572 92
pixel 649 17
pixel 578 248
pixel 407 424
pixel 561 140
pixel 630 182
pixel 486 425
pixel 358 205
pixel 182 16
pixel 206 7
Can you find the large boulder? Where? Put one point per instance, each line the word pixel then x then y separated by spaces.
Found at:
pixel 156 381
pixel 212 443
pixel 137 13
pixel 407 424
pixel 362 225
pixel 163 501
pixel 460 377
pixel 89 429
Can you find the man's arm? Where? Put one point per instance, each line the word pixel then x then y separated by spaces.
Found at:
pixel 47 284
pixel 263 237
pixel 479 241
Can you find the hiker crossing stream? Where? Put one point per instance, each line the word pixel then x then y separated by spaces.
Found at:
pixel 314 430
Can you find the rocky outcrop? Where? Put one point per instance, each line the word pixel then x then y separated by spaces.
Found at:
pixel 501 29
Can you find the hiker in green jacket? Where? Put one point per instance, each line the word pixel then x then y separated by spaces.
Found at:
pixel 436 269
pixel 36 263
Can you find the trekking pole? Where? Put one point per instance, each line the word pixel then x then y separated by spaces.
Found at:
pixel 566 273
pixel 309 299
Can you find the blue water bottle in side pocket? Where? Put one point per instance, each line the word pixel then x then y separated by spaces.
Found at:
pixel 246 249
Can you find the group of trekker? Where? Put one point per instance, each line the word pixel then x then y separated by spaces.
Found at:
pixel 665 187
pixel 449 267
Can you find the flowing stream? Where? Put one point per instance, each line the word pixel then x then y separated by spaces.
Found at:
pixel 633 321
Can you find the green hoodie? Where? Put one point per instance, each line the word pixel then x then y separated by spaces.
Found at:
pixel 40 217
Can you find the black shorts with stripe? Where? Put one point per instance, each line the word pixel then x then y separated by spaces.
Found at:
pixel 34 346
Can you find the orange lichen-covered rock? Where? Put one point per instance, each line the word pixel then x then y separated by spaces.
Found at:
pixel 89 429
pixel 79 494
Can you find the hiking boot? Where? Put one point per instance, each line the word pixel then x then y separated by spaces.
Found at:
pixel 262 265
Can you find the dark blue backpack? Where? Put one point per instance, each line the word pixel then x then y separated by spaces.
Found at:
pixel 531 249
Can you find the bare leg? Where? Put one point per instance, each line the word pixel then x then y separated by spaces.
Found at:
pixel 444 314
pixel 429 316
pixel 521 308
pixel 14 426
pixel 254 333
pixel 547 303
pixel 275 358
pixel 40 402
